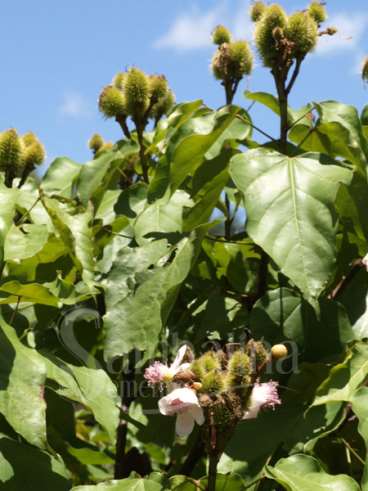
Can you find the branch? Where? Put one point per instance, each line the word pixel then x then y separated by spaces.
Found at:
pixel 346 279
pixel 123 125
pixel 294 75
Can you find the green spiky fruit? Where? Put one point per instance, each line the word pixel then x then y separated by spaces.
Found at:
pixel 112 102
pixel 96 142
pixel 302 31
pixel 258 355
pixel 137 93
pixel 163 106
pixel 318 12
pixel 365 70
pixel 10 150
pixel 232 61
pixel 274 17
pixel 213 382
pixel 33 155
pixel 158 87
pixel 119 80
pixel 239 371
pixel 29 138
pixel 257 9
pixel 221 35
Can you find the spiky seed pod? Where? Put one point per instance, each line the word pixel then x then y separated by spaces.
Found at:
pixel 137 93
pixel 33 155
pixel 268 48
pixel 232 61
pixel 95 143
pixel 213 382
pixel 10 151
pixel 318 12
pixel 119 80
pixel 258 355
pixel 209 361
pixel 221 35
pixel 112 102
pixel 158 87
pixel 302 31
pixel 163 106
pixel 365 69
pixel 29 138
pixel 197 368
pixel 257 9
pixel 239 371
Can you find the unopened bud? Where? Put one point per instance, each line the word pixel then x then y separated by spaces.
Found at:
pixel 10 150
pixel 279 351
pixel 96 142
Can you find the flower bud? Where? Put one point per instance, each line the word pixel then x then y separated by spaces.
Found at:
pixel 279 351
pixel 112 102
pixel 119 80
pixel 158 87
pixel 365 69
pixel 136 93
pixel 257 9
pixel 95 143
pixel 273 17
pixel 221 35
pixel 302 31
pixel 10 150
pixel 318 12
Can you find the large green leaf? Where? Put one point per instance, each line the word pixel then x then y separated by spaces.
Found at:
pixel 74 228
pixel 344 378
pixel 123 485
pixel 229 123
pixel 304 473
pixel 137 320
pixel 22 381
pixel 61 177
pixel 8 199
pixel 338 132
pixel 360 408
pixel 25 241
pixel 290 210
pixel 23 467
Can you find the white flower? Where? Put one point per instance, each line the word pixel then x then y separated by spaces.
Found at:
pixel 184 403
pixel 263 396
pixel 159 372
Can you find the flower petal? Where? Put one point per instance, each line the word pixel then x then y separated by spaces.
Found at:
pixel 179 357
pixel 197 413
pixel 184 423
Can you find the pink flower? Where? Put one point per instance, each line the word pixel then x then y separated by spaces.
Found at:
pixel 263 396
pixel 184 403
pixel 159 372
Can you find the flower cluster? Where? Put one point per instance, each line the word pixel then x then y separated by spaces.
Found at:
pixel 219 388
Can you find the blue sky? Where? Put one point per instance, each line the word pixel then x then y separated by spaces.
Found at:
pixel 57 56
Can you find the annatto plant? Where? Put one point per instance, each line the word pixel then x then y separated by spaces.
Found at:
pixel 188 309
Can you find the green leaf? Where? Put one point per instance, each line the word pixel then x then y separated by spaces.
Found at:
pixel 8 199
pixel 25 241
pixel 123 485
pixel 27 292
pixel 290 210
pixel 192 150
pixel 22 381
pixel 137 320
pixel 24 467
pixel 97 174
pixel 344 378
pixel 304 473
pixel 61 177
pixel 75 231
pixel 360 408
pixel 338 132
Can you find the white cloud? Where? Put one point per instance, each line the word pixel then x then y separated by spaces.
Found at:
pixel 350 30
pixel 74 105
pixel 193 30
